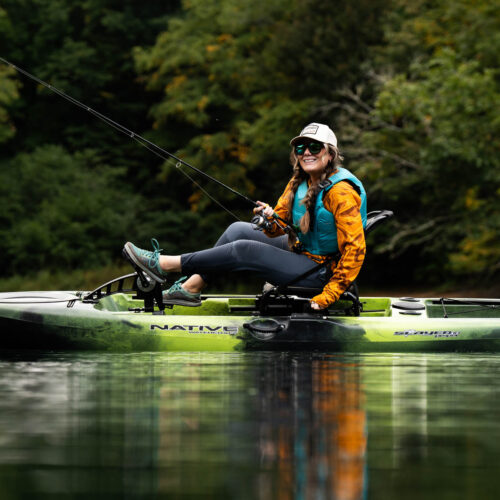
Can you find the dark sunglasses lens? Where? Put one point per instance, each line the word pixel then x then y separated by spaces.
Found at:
pixel 314 148
pixel 300 148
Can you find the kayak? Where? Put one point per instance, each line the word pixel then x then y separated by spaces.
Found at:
pixel 124 317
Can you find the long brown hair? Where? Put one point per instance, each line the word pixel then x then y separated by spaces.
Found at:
pixel 309 199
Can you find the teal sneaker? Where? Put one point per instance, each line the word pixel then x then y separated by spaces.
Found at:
pixel 176 295
pixel 145 260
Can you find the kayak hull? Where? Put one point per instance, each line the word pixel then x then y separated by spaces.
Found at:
pixel 62 320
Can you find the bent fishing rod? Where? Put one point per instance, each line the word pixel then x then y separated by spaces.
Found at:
pixel 149 145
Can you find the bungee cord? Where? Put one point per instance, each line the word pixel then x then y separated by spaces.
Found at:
pixel 465 302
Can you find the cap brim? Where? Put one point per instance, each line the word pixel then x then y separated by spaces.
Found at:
pixel 295 139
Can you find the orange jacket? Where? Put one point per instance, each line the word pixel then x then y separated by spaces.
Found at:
pixel 344 203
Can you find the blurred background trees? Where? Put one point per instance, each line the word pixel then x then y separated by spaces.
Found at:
pixel 410 88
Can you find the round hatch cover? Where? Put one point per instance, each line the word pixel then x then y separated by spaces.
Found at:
pixel 409 306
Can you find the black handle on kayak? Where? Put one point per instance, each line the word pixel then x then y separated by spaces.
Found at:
pixel 264 329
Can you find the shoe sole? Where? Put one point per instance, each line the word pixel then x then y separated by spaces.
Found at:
pixel 180 302
pixel 131 257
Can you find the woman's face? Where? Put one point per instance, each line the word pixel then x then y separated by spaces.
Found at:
pixel 312 163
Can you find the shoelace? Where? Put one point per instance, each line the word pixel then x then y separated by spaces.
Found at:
pixel 154 255
pixel 154 260
pixel 178 285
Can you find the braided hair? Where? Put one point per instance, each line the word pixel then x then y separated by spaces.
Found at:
pixel 313 190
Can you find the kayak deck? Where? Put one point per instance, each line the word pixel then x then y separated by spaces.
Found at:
pixel 228 305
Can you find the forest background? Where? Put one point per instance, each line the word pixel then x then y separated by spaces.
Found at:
pixel 411 88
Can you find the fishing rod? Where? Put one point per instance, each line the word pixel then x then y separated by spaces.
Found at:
pixel 151 146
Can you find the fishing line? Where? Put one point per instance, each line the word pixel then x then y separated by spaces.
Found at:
pixel 178 166
pixel 151 146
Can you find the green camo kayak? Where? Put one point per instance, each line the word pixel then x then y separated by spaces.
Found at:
pixel 115 318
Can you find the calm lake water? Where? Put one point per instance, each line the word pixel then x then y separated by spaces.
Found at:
pixel 247 426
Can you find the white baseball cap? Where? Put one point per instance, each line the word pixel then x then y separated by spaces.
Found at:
pixel 318 132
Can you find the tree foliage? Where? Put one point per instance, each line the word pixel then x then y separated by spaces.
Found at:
pixel 66 210
pixel 410 88
pixel 8 94
pixel 235 88
pixel 428 143
pixel 67 179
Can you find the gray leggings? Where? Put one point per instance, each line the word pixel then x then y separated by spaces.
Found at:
pixel 242 248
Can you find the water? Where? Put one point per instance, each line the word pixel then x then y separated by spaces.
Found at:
pixel 247 426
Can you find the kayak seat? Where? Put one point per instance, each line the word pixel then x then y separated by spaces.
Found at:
pixel 376 218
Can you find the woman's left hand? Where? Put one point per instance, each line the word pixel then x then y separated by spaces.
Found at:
pixel 316 307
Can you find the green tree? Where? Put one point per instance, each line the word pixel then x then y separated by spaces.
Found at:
pixel 8 94
pixel 428 142
pixel 85 49
pixel 67 178
pixel 235 88
pixel 62 211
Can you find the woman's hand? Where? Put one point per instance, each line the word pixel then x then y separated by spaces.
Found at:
pixel 316 307
pixel 264 209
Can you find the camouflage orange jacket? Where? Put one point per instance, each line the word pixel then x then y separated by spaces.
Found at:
pixel 344 203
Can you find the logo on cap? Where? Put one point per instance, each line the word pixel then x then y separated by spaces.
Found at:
pixel 310 129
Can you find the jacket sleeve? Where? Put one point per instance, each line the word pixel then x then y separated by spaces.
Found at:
pixel 344 202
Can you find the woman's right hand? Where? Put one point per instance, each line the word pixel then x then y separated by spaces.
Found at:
pixel 264 209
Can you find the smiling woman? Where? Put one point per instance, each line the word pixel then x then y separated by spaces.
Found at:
pixel 325 208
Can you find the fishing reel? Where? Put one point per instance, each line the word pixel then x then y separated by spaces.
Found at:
pixel 261 223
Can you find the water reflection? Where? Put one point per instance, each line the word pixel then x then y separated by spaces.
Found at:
pixel 433 425
pixel 263 425
pixel 313 427
pixel 246 426
pixel 285 427
pixel 409 409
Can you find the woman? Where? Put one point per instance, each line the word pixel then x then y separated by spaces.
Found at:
pixel 324 202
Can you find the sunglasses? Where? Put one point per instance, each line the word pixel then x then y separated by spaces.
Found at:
pixel 313 147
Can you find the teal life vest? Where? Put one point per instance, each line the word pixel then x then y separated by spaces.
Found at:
pixel 321 239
